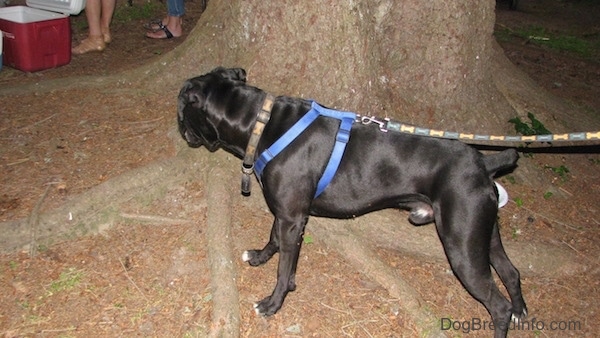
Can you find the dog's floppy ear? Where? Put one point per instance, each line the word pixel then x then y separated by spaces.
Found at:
pixel 235 74
pixel 240 74
pixel 192 93
pixel 194 121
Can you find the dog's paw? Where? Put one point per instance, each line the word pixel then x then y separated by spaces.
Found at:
pixel 266 307
pixel 246 256
pixel 518 317
pixel 251 257
pixel 254 257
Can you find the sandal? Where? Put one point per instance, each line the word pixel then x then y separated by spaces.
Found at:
pixel 168 34
pixel 90 44
pixel 153 25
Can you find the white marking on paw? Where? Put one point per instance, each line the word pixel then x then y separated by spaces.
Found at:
pixel 518 320
pixel 514 319
pixel 246 256
pixel 255 306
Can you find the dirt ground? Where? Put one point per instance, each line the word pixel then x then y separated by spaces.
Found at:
pixel 148 276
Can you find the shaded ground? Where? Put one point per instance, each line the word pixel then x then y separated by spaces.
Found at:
pixel 148 276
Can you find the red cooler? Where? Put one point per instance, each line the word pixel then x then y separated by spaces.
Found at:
pixel 38 38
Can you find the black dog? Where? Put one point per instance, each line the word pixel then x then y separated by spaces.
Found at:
pixel 441 181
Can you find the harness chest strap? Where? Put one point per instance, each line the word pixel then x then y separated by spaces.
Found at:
pixel 342 138
pixel 259 126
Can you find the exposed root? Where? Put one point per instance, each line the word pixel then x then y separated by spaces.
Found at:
pixel 340 237
pixel 97 208
pixel 225 310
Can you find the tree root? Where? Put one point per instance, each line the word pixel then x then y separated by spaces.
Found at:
pixel 348 244
pixel 99 207
pixel 225 310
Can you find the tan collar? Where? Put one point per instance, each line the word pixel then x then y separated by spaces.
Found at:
pixel 259 126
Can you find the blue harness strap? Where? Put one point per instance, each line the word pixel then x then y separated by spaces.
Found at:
pixel 341 139
pixel 284 141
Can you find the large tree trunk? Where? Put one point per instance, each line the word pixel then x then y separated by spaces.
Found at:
pixel 432 63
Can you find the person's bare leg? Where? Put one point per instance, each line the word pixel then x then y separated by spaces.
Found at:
pixel 94 41
pixel 108 8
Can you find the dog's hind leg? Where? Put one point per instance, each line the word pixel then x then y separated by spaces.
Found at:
pixel 259 257
pixel 508 274
pixel 290 236
pixel 467 248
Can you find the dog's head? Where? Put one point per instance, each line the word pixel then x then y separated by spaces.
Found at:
pixel 199 101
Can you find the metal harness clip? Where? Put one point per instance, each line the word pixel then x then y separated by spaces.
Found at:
pixel 373 119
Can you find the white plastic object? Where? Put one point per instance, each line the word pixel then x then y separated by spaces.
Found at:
pixel 502 195
pixel 67 7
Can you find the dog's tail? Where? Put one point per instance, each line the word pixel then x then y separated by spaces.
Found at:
pixel 501 161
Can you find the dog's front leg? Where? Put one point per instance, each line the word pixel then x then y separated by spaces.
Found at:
pixel 259 257
pixel 290 236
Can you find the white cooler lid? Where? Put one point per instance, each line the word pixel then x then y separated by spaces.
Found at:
pixel 68 7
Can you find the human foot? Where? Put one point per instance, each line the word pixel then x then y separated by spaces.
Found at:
pixel 154 25
pixel 90 44
pixel 106 36
pixel 165 32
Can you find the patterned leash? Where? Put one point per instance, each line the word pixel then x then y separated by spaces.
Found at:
pixel 386 125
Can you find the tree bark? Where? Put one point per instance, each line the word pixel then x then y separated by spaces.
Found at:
pixel 433 64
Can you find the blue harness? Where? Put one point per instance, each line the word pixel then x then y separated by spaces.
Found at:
pixel 341 139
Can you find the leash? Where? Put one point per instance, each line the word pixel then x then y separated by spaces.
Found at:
pixel 386 125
